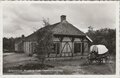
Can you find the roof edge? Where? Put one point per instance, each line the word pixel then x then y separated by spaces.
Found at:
pixel 89 38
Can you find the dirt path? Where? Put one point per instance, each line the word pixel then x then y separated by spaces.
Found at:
pixel 13 59
pixel 76 67
pixel 69 67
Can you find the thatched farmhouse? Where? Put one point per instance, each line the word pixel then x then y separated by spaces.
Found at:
pixel 67 41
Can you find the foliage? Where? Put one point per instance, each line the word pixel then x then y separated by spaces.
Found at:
pixel 46 22
pixel 44 43
pixel 8 44
pixel 104 36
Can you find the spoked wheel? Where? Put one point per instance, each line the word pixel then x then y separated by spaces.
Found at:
pixel 91 58
pixel 88 59
pixel 107 59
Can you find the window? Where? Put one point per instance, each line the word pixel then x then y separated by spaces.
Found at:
pixel 33 44
pixel 56 47
pixel 77 47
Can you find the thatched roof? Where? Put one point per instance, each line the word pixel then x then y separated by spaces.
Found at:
pixel 65 28
pixel 60 28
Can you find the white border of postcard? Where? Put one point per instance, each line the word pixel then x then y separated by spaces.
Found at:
pixel 60 76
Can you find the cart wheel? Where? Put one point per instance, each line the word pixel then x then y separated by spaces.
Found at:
pixel 107 59
pixel 89 61
pixel 99 60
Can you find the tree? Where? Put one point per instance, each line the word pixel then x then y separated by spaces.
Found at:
pixel 104 36
pixel 90 28
pixel 44 44
pixel 46 22
pixel 8 44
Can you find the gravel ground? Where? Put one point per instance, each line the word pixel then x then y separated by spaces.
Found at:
pixel 68 67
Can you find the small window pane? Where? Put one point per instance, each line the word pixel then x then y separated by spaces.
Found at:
pixel 77 47
pixel 56 47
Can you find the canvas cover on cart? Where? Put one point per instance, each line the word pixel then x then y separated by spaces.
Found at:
pixel 101 49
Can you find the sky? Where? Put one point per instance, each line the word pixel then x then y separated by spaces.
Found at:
pixel 25 19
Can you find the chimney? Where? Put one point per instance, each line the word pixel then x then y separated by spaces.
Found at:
pixel 63 17
pixel 22 37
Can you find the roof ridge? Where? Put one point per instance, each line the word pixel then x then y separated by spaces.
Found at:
pixel 42 28
pixel 67 29
pixel 77 28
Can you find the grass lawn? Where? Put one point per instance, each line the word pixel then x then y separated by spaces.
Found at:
pixel 21 64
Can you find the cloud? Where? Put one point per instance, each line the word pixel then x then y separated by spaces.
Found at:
pixel 21 19
pixel 98 15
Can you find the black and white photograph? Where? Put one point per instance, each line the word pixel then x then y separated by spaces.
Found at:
pixel 60 38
